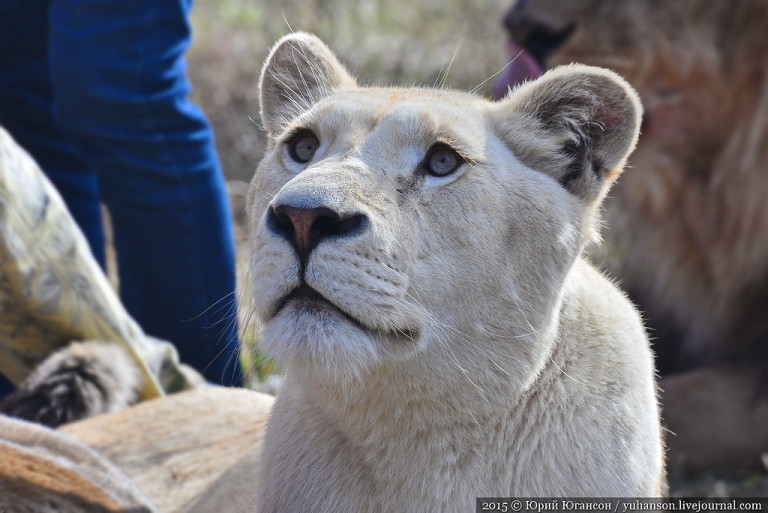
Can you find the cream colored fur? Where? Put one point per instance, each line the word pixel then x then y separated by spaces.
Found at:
pixel 191 452
pixel 465 348
pixel 42 471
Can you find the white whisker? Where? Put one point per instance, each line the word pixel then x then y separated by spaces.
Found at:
pixel 481 84
pixel 453 57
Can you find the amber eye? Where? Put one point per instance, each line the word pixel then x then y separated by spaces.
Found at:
pixel 303 147
pixel 442 161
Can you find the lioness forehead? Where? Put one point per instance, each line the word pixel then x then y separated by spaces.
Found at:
pixel 415 117
pixel 389 96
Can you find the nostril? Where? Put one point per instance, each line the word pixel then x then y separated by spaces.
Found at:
pixel 515 15
pixel 306 227
pixel 279 223
pixel 336 226
pixel 542 41
pixel 538 38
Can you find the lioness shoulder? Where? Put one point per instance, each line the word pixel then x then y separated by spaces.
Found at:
pixel 417 261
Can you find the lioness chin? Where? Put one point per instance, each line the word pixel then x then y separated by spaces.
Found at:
pixel 417 267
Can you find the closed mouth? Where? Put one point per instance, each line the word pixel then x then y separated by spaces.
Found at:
pixel 306 297
pixel 304 292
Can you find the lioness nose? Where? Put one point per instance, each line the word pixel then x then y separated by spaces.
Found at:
pixel 306 227
pixel 537 36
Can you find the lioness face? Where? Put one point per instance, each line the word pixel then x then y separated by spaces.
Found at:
pixel 384 218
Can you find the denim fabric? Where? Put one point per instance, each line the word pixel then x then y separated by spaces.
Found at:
pixel 96 91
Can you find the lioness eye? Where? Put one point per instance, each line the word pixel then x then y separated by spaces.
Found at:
pixel 303 147
pixel 442 161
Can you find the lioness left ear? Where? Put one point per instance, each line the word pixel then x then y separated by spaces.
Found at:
pixel 576 123
pixel 300 71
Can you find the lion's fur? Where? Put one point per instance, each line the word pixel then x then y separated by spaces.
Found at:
pixel 686 231
pixel 196 451
pixel 79 381
pixel 42 471
pixel 478 353
pixel 689 226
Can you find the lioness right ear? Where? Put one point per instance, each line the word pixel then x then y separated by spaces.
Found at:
pixel 576 123
pixel 299 71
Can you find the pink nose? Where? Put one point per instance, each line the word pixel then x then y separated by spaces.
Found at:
pixel 306 227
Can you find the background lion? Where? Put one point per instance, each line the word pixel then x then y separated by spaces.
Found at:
pixel 687 225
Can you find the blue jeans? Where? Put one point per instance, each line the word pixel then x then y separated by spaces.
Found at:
pixel 96 91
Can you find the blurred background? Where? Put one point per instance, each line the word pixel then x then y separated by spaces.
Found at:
pixel 463 45
pixel 392 42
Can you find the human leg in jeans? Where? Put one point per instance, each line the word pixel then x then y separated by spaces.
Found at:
pixel 26 111
pixel 119 89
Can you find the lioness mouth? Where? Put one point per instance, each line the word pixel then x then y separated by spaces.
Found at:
pixel 310 298
pixel 306 295
pixel 304 291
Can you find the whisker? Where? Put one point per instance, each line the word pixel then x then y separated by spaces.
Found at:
pixel 213 305
pixel 286 23
pixel 455 52
pixel 508 64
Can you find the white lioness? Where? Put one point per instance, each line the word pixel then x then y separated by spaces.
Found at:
pixel 417 266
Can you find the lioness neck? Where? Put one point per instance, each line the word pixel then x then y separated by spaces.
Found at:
pixel 561 429
pixel 451 384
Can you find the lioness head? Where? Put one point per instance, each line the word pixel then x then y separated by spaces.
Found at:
pixel 384 219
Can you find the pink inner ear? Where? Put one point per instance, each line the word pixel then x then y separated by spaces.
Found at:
pixel 524 66
pixel 606 116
